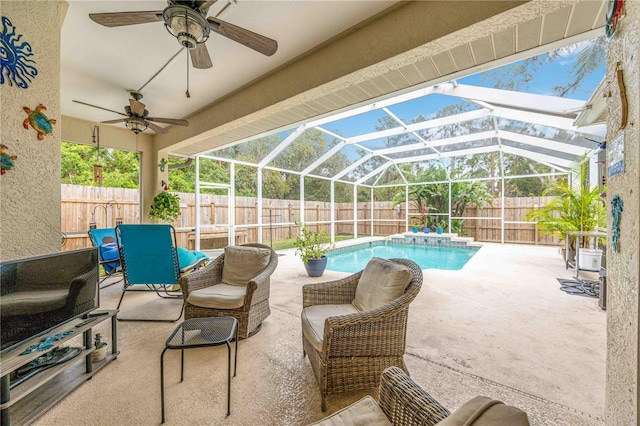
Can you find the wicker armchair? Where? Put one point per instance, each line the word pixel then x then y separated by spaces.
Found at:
pixel 402 402
pixel 255 307
pixel 358 346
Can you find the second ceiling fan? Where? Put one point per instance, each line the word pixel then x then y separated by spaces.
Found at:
pixel 137 117
pixel 188 22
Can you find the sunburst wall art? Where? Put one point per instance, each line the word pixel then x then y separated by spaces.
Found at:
pixel 16 57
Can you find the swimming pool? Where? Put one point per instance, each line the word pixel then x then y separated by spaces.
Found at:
pixel 354 259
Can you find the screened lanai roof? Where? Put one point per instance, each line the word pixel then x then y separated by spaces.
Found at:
pixel 375 140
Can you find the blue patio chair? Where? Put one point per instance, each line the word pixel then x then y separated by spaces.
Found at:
pixel 105 240
pixel 151 258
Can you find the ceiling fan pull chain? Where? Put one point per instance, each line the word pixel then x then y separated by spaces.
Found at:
pixel 188 94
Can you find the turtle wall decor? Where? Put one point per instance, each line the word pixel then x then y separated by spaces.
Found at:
pixel 39 121
pixel 7 162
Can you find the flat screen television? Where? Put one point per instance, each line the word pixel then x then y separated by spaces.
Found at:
pixel 40 293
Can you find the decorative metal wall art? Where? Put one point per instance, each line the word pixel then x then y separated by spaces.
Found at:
pixel 16 63
pixel 39 121
pixel 615 11
pixel 617 90
pixel 6 160
pixel 616 211
pixel 162 163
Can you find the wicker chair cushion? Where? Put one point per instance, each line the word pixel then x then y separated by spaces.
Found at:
pixel 381 282
pixel 218 296
pixel 313 320
pixel 484 411
pixel 242 264
pixel 364 412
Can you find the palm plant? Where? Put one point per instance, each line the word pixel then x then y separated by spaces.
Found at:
pixel 434 197
pixel 574 209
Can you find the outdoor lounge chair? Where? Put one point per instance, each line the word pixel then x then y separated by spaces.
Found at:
pixel 150 257
pixel 355 327
pixel 236 284
pixel 105 240
pixel 402 402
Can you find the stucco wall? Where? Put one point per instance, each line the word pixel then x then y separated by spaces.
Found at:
pixel 623 267
pixel 30 193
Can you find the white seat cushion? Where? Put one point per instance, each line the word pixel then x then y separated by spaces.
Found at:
pixel 219 296
pixel 381 282
pixel 313 320
pixel 364 412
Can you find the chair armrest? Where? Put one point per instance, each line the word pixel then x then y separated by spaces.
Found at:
pixel 406 403
pixel 204 277
pixel 375 332
pixel 336 292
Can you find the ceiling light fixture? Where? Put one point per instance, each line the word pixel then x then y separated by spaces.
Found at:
pixel 188 25
pixel 136 124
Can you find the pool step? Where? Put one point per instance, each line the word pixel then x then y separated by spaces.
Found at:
pixel 433 239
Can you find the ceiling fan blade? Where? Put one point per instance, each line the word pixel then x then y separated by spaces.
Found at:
pixel 99 107
pixel 200 57
pixel 156 128
pixel 114 121
pixel 255 41
pixel 137 107
pixel 168 121
pixel 120 19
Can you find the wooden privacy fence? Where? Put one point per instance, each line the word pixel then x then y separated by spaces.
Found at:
pixel 83 205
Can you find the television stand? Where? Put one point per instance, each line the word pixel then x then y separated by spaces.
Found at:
pixel 26 401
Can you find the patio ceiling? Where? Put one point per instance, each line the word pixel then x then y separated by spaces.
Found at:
pixel 416 56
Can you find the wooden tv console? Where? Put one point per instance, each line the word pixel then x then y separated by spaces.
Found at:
pixel 30 399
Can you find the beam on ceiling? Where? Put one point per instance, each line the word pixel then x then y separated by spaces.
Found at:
pixel 536 156
pixel 553 105
pixel 542 143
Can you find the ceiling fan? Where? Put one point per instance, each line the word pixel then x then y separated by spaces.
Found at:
pixel 188 22
pixel 137 117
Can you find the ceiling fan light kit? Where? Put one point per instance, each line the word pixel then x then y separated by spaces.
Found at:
pixel 136 125
pixel 188 25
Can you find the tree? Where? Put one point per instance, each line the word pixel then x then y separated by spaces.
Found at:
pixel 120 169
pixel 519 75
pixel 433 196
pixel 574 208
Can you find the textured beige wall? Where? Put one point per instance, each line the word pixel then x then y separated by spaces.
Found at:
pixel 30 193
pixel 623 268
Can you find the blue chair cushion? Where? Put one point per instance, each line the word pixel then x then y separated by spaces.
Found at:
pixel 109 252
pixel 189 259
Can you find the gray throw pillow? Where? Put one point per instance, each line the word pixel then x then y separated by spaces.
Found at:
pixel 381 282
pixel 484 411
pixel 241 264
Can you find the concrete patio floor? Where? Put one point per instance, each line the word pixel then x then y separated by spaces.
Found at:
pixel 499 327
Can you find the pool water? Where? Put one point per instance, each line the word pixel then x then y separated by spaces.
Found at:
pixel 356 258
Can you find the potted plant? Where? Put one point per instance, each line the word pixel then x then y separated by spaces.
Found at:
pixel 312 247
pixel 100 350
pixel 424 220
pixel 415 224
pixel 577 208
pixel 165 207
pixel 441 226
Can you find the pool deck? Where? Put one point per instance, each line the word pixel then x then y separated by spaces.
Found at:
pixel 499 327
